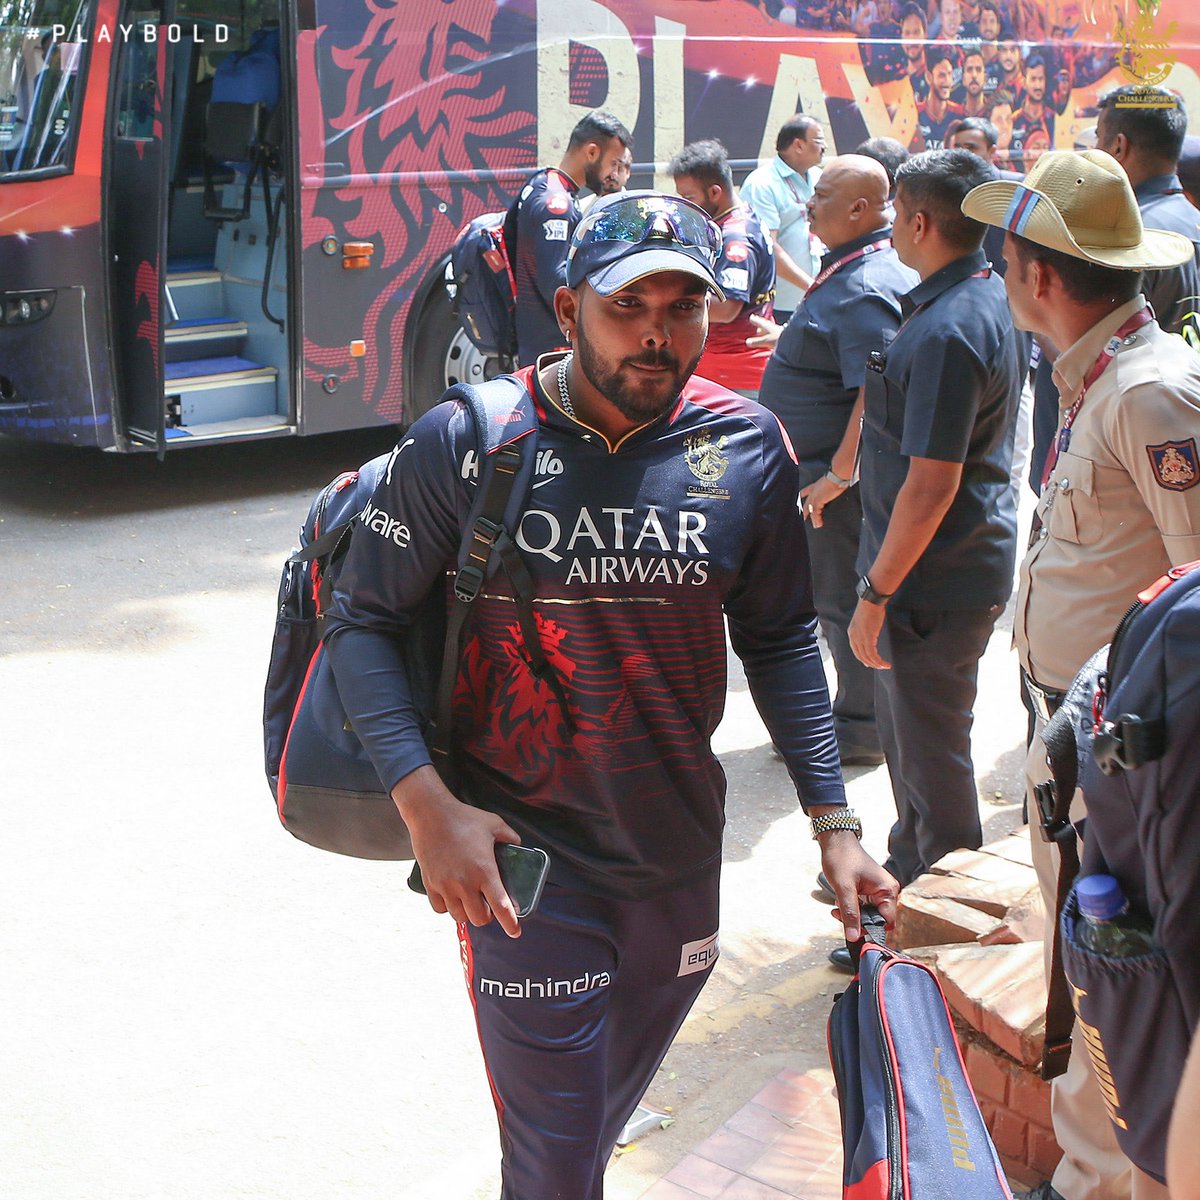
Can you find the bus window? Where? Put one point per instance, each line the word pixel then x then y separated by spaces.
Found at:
pixel 40 58
pixel 139 79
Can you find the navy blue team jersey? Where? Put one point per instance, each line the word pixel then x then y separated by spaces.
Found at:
pixel 546 218
pixel 746 272
pixel 638 552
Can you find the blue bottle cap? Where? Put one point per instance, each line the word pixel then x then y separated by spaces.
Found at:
pixel 1100 897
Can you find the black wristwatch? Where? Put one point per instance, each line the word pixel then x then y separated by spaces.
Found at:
pixel 866 591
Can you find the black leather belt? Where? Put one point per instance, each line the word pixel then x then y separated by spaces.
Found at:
pixel 1044 701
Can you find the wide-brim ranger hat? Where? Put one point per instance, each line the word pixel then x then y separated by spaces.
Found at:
pixel 624 238
pixel 1081 203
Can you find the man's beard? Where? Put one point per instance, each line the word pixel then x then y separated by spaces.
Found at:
pixel 592 178
pixel 623 394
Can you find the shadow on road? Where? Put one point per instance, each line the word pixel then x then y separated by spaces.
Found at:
pixel 60 481
pixel 108 552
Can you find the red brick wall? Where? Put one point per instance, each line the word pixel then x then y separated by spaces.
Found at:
pixel 1016 1106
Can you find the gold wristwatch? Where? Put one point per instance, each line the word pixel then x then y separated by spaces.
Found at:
pixel 844 818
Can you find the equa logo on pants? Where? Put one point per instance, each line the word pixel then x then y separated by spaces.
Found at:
pixel 699 956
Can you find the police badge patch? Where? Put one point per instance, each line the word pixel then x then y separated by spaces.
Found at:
pixel 1176 465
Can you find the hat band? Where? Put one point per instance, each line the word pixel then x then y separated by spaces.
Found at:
pixel 1020 209
pixel 1024 203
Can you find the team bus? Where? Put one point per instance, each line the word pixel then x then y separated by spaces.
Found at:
pixel 191 253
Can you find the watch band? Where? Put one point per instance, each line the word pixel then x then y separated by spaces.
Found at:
pixel 867 591
pixel 837 480
pixel 845 818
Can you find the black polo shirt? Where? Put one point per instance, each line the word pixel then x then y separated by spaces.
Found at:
pixel 820 360
pixel 1172 293
pixel 947 389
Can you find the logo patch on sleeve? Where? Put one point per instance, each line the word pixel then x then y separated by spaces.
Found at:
pixel 737 251
pixel 1176 465
pixel 735 279
pixel 558 202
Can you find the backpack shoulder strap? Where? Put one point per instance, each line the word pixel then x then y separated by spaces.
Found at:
pixel 513 218
pixel 505 423
pixel 1062 737
pixel 506 431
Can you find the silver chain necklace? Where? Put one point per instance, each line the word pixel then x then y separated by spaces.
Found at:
pixel 564 393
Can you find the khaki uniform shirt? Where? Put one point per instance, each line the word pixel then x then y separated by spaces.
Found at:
pixel 1123 502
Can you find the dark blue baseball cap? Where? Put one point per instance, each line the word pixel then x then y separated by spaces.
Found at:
pixel 628 236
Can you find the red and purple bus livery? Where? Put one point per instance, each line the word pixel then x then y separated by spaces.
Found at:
pixel 185 260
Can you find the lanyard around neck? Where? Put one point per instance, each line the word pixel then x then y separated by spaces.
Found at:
pixel 853 256
pixel 1142 317
pixel 794 189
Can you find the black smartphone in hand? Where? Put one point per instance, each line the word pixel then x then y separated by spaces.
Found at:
pixel 523 871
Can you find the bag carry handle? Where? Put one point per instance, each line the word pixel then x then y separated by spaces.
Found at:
pixel 874 929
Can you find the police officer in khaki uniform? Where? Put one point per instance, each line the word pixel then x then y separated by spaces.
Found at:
pixel 1119 504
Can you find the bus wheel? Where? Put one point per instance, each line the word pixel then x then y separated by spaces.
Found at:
pixel 466 363
pixel 445 356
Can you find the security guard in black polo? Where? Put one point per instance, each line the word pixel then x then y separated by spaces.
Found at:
pixel 813 383
pixel 1147 139
pixel 939 531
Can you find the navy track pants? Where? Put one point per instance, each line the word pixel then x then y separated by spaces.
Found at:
pixel 576 1016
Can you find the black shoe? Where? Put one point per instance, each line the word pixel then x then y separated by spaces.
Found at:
pixel 852 757
pixel 841 959
pixel 825 888
pixel 1043 1191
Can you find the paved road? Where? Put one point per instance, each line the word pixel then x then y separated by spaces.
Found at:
pixel 197 1007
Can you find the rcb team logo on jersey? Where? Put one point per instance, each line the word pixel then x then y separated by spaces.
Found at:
pixel 1176 465
pixel 706 459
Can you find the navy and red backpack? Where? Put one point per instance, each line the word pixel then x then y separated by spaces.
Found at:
pixel 482 286
pixel 326 789
pixel 1129 734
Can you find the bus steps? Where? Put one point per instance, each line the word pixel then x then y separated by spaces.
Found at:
pixel 210 387
pixel 208 391
pixel 212 336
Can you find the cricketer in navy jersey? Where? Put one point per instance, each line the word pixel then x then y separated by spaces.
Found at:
pixel 546 216
pixel 660 506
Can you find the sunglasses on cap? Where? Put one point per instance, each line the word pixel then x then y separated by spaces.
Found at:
pixel 636 221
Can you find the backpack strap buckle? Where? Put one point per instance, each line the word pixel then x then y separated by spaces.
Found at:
pixel 1128 742
pixel 1053 828
pixel 468 583
pixel 486 531
pixel 471 575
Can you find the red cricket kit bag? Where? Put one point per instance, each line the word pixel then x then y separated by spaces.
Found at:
pixel 911 1129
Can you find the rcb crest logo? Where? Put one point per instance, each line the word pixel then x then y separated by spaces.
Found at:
pixel 1146 56
pixel 706 459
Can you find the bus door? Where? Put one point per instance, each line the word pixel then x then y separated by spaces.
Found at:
pixel 136 222
pixel 199 222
